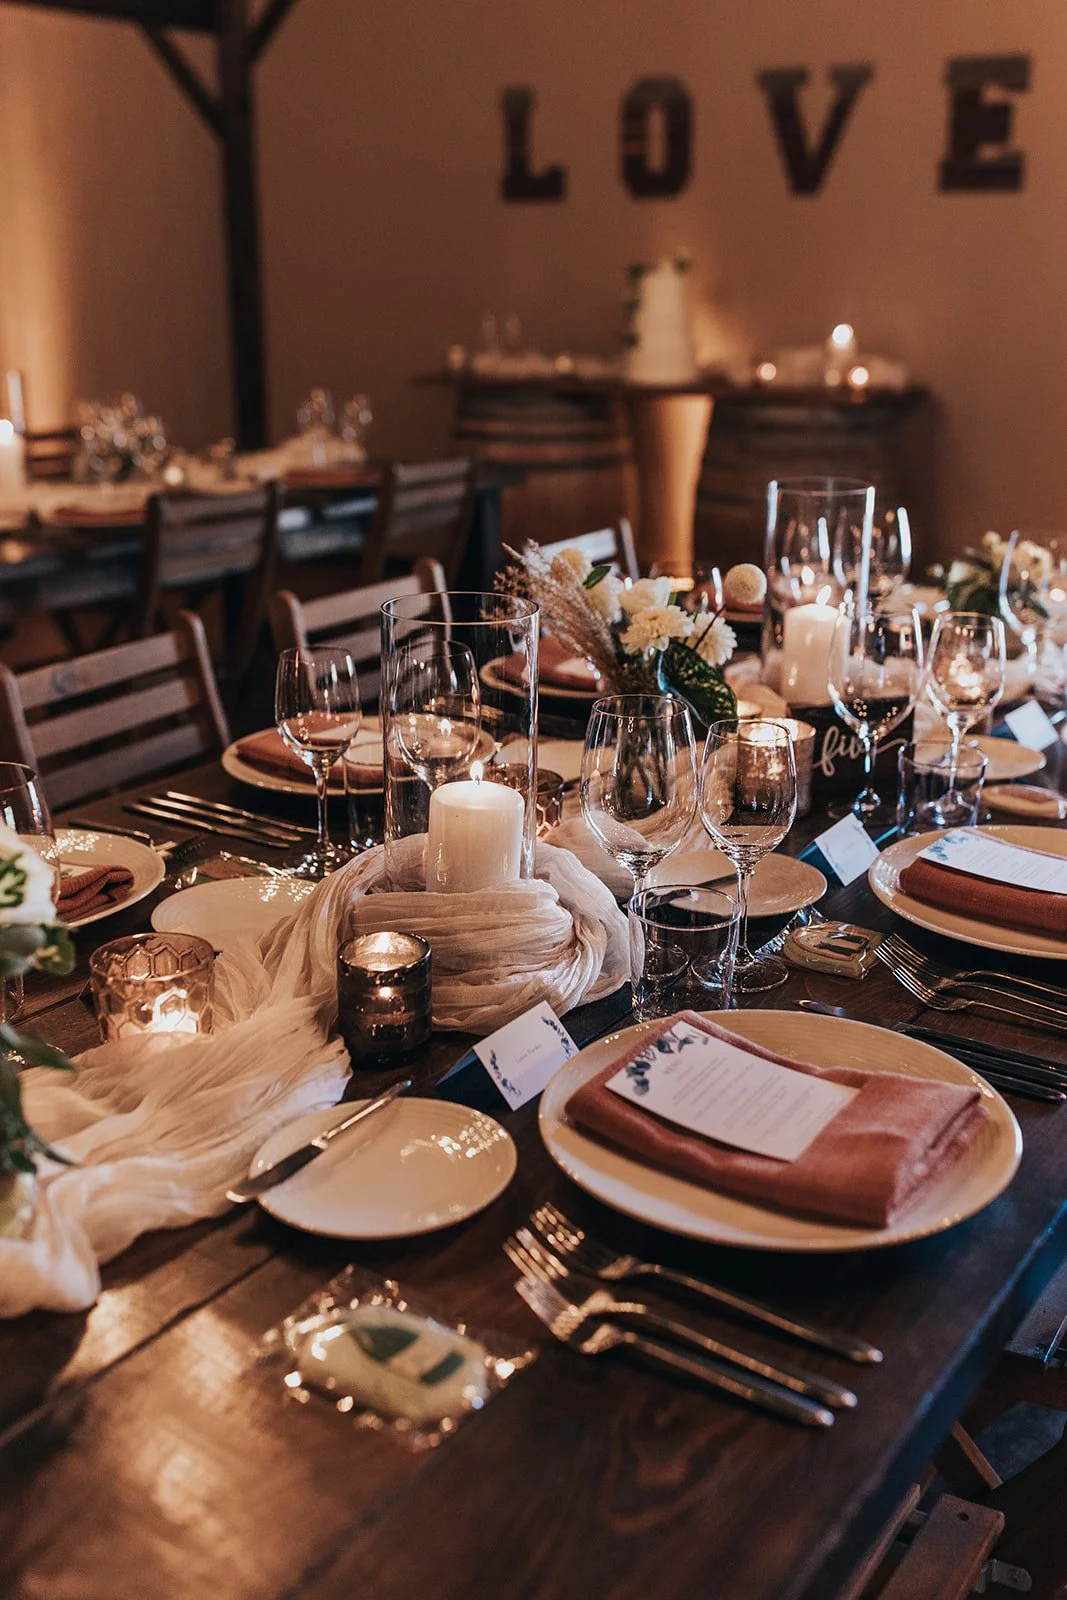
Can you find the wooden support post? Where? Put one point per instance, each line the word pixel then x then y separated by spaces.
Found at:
pixel 242 224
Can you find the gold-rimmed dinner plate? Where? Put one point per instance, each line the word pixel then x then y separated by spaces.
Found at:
pixel 678 1205
pixel 366 748
pixel 780 884
pixel 82 847
pixel 884 878
pixel 414 1167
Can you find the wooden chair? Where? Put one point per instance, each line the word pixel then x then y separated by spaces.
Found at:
pixel 50 453
pixel 423 510
pixel 350 620
pixel 203 544
pixel 116 717
pixel 615 544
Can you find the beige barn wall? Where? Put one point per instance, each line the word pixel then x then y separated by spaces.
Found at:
pixel 385 240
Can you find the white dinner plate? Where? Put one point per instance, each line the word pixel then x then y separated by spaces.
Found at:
pixel 85 848
pixel 681 1206
pixel 780 884
pixel 884 877
pixel 228 909
pixel 366 745
pixel 416 1166
pixel 561 755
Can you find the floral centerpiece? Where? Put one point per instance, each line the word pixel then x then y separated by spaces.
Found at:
pixel 973 581
pixel 30 940
pixel 637 636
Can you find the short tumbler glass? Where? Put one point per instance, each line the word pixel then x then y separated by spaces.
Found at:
pixel 929 796
pixel 683 942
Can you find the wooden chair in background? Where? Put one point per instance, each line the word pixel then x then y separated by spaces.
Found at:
pixel 350 620
pixel 50 453
pixel 424 509
pixel 115 717
pixel 614 544
pixel 201 546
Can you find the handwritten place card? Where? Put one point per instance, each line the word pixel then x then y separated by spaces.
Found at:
pixel 848 848
pixel 1031 725
pixel 717 1089
pixel 983 855
pixel 521 1056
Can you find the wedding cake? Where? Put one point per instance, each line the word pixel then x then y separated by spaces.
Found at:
pixel 661 339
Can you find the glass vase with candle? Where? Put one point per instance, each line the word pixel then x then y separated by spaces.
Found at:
pixel 500 634
pixel 875 672
pixel 807 520
pixel 964 676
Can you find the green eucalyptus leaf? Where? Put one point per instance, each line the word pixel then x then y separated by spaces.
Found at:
pixel 57 955
pixel 598 574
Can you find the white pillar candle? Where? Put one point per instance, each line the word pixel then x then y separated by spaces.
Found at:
pixel 12 460
pixel 807 634
pixel 474 837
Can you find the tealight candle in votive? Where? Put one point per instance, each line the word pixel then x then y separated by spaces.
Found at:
pixel 157 983
pixel 384 994
pixel 803 737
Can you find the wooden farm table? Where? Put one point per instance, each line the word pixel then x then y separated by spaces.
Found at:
pixel 143 1453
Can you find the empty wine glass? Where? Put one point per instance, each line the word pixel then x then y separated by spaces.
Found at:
pixel 1033 604
pixel 317 710
pixel 890 558
pixel 875 672
pixel 964 674
pixel 436 708
pixel 639 778
pixel 748 800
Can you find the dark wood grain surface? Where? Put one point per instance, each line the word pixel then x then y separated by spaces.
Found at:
pixel 145 1452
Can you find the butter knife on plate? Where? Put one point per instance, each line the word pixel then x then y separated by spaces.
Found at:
pixel 297 1160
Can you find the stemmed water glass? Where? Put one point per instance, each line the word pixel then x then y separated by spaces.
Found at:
pixel 639 778
pixel 1033 603
pixel 874 677
pixel 964 675
pixel 890 547
pixel 436 708
pixel 317 710
pixel 748 800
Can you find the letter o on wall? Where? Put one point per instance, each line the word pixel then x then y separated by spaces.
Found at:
pixel 669 177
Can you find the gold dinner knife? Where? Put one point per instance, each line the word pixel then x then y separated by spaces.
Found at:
pixel 289 1165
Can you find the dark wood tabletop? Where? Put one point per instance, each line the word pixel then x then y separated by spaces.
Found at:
pixel 145 1452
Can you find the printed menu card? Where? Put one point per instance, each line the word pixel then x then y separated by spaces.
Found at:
pixel 983 855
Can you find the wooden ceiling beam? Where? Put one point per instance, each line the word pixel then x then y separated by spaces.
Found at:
pixel 198 16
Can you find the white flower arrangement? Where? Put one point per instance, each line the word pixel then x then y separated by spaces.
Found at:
pixel 636 635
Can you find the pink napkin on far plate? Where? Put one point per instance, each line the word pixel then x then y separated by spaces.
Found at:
pixel 558 668
pixel 868 1165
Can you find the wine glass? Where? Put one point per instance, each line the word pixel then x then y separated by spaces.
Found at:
pixel 964 675
pixel 24 810
pixel 436 708
pixel 890 558
pixel 698 584
pixel 748 799
pixel 1033 603
pixel 638 784
pixel 317 710
pixel 875 671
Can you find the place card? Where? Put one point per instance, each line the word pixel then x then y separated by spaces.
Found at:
pixel 717 1089
pixel 983 855
pixel 847 849
pixel 1029 724
pixel 521 1056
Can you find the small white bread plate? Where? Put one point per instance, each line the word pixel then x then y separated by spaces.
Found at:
pixel 414 1167
pixel 84 848
pixel 681 1206
pixel 884 877
pixel 231 908
pixel 780 884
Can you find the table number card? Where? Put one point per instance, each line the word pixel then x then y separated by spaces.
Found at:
pixel 717 1089
pixel 522 1056
pixel 983 855
pixel 847 848
pixel 1029 724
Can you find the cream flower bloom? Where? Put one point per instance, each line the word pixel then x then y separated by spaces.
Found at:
pixel 647 594
pixel 655 627
pixel 604 597
pixel 570 563
pixel 25 884
pixel 716 642
pixel 744 585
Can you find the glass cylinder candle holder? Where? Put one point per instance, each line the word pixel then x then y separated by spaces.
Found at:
pixel 501 633
pixel 384 995
pixel 158 983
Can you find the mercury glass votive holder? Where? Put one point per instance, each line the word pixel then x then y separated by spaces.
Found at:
pixel 384 995
pixel 158 983
pixel 803 736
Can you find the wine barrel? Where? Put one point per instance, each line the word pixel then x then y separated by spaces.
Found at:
pixel 574 450
pixel 755 436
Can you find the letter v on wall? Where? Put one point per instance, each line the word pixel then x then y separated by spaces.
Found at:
pixel 807 163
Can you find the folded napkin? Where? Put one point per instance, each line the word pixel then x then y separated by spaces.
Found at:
pixel 984 900
pixel 558 668
pixel 83 890
pixel 268 752
pixel 337 476
pixel 874 1159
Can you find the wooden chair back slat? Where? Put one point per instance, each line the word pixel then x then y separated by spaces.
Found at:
pixel 145 708
pixel 424 509
pixel 50 453
pixel 615 544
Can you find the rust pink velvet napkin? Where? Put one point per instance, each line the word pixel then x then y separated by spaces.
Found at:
pixel 873 1160
pixel 985 900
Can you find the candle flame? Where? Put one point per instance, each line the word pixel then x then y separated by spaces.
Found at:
pixel 477 772
pixel 823 596
pixel 7 431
